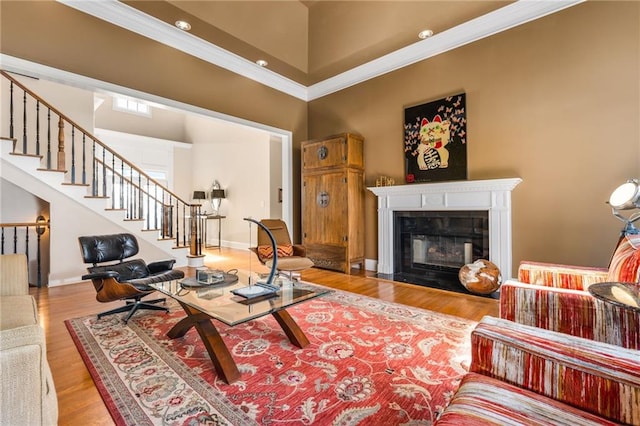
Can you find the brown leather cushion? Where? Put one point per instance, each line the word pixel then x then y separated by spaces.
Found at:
pixel 266 252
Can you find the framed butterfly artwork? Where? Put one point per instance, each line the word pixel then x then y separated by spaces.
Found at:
pixel 435 140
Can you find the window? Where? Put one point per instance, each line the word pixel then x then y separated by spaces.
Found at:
pixel 131 106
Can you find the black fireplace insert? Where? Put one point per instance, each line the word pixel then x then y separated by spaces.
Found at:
pixel 430 247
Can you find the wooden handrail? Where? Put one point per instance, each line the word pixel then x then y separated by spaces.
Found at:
pixel 27 224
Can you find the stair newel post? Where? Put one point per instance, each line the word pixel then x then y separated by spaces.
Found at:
pixel 193 240
pixel 24 123
pixel 61 156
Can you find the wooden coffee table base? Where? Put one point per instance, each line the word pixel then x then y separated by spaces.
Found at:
pixel 218 352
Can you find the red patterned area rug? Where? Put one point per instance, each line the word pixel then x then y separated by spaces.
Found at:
pixel 369 362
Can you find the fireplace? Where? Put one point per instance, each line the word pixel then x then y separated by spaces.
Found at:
pixel 471 203
pixel 432 246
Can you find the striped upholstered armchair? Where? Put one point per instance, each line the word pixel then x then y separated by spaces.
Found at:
pixel 523 375
pixel 555 297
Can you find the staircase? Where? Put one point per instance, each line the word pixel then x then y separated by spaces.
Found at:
pixel 48 154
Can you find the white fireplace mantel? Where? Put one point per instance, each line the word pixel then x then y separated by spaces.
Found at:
pixel 492 195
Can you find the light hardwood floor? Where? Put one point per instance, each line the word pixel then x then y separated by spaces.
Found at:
pixel 78 398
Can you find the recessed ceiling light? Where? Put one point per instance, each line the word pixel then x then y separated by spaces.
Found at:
pixel 425 34
pixel 183 25
pixel 262 62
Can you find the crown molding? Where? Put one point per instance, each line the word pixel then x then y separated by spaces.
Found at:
pixel 502 19
pixel 512 15
pixel 131 19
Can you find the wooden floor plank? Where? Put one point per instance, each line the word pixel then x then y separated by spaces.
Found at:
pixel 78 399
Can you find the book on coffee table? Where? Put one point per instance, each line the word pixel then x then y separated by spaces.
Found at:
pixel 256 290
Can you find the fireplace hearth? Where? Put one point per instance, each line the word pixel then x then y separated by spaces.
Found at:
pixel 435 261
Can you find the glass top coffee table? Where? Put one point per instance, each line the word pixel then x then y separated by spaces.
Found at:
pixel 216 301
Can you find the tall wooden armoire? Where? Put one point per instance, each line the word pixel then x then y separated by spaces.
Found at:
pixel 333 201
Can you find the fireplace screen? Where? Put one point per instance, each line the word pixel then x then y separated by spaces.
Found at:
pixel 436 250
pixel 431 246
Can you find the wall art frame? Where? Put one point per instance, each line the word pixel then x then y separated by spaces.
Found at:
pixel 435 140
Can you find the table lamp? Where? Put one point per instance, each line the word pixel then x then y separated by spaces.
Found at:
pixel 198 196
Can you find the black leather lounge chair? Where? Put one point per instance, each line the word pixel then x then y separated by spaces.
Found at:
pixel 121 279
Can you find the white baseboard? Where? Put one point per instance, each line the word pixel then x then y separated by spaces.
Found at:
pixel 65 281
pixel 371 265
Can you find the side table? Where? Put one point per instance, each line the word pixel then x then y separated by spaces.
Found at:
pixel 214 217
pixel 626 295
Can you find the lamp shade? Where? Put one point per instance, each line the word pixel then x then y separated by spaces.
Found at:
pixel 199 195
pixel 217 193
pixel 626 196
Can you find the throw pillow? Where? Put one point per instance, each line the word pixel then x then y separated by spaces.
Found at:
pixel 625 263
pixel 266 252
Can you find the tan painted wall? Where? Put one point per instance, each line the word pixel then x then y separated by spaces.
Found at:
pixel 555 102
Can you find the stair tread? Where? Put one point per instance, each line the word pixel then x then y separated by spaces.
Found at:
pixel 42 169
pixel 75 184
pixel 20 154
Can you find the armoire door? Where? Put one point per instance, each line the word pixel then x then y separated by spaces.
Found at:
pixel 325 208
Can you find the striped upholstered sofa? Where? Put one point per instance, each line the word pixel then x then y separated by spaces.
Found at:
pixel 556 297
pixel 523 375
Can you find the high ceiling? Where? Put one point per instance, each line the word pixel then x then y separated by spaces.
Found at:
pixel 315 47
pixel 311 41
